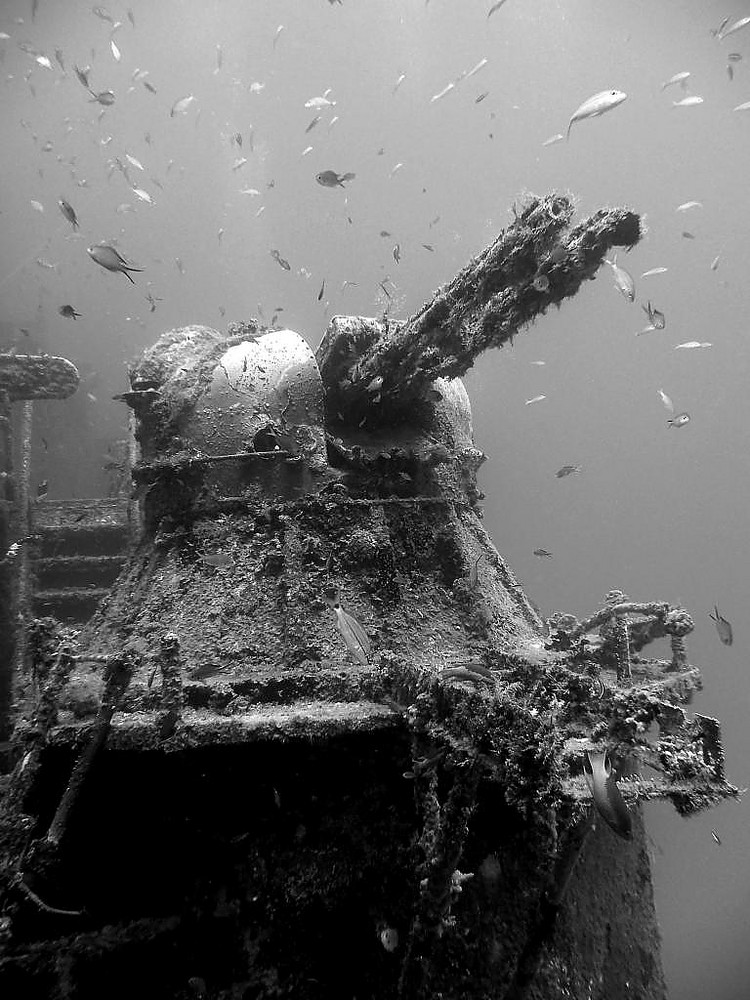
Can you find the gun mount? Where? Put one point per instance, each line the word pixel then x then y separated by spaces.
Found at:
pixel 215 781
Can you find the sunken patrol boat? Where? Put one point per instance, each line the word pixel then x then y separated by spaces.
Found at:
pixel 316 741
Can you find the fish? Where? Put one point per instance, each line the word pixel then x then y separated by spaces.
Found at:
pixel 688 102
pixel 715 262
pixel 132 160
pixel 217 560
pixel 143 195
pixel 688 205
pixel 723 627
pixel 320 102
pixel 680 420
pixel 355 637
pixel 47 264
pixel 655 317
pixel 239 162
pixel 568 470
pixel 312 124
pixel 179 265
pixel 149 86
pixel 44 61
pixel 716 837
pixel 280 260
pixel 538 364
pixel 69 312
pixel 103 13
pixel 329 178
pixel 277 34
pixel 597 105
pixel 745 106
pixel 742 23
pixel 480 97
pixel 735 57
pixel 692 344
pixel 542 553
pixel 306 151
pixel 730 71
pixel 687 235
pixel 395 169
pixel 131 17
pixel 388 936
pixel 494 8
pixel 653 271
pixel 429 246
pixel 59 57
pixel 115 51
pixel 36 205
pixel 474 69
pixel 397 253
pixel 623 279
pixel 442 93
pixel 607 796
pixel 107 257
pixel 104 97
pixel 83 76
pixel 398 83
pixel 680 78
pixel 667 402
pixel 219 59
pixel 322 290
pixel 182 106
pixel 557 137
pixel 535 399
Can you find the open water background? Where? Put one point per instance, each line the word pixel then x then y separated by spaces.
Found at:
pixel 657 512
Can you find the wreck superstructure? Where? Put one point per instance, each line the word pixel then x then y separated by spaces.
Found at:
pixel 209 785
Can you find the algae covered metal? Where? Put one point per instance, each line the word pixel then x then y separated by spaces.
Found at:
pixel 317 707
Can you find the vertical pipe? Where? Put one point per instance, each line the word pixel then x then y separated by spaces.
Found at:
pixel 7 625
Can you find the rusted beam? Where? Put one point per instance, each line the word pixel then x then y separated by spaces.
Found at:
pixel 533 264
pixel 27 376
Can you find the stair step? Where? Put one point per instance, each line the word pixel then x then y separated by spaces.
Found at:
pixel 76 605
pixel 63 572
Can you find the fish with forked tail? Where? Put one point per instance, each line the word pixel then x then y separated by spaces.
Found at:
pixel 607 796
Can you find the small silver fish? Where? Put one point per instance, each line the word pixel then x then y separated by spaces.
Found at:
pixel 691 344
pixel 355 637
pixel 742 23
pixel 607 796
pixel 597 105
pixel 83 76
pixel 107 257
pixel 623 279
pixel 655 316
pixel 688 205
pixel 653 271
pixel 688 102
pixel 535 399
pixel 668 404
pixel 742 107
pixel 320 102
pixel 716 837
pixel 722 626
pixel 680 78
pixel 182 106
pixel 312 124
pixel 680 420
pixel 557 137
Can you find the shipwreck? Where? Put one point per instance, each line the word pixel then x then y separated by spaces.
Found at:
pixel 314 740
